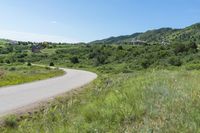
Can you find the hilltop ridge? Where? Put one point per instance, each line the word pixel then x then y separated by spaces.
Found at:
pixel 162 35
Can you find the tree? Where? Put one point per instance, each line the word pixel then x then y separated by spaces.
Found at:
pixel 179 48
pixel 192 47
pixel 7 61
pixel 29 64
pixel 74 60
pixel 175 61
pixel 187 47
pixel 51 64
pixel 100 60
pixel 120 47
pixel 145 63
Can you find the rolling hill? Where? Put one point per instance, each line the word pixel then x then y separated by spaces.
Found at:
pixel 162 36
pixel 119 39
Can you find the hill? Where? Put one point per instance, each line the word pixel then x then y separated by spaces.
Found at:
pixel 191 33
pixel 150 88
pixel 161 36
pixel 3 41
pixel 156 36
pixel 119 39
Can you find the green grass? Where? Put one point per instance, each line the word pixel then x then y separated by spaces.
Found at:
pixel 49 51
pixel 18 74
pixel 145 101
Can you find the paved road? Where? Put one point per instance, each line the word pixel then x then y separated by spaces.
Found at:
pixel 19 96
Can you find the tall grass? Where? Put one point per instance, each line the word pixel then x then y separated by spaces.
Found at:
pixel 151 101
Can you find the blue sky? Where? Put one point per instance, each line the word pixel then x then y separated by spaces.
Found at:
pixel 88 20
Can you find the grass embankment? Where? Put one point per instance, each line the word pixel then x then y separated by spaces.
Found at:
pixel 18 74
pixel 148 101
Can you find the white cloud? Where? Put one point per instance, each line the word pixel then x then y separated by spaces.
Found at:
pixel 24 36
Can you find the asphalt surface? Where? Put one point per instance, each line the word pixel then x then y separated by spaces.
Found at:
pixel 19 96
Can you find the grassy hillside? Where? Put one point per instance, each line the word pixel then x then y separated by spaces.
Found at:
pixel 191 33
pixel 3 41
pixel 140 88
pixel 149 101
pixel 161 36
pixel 107 58
pixel 157 36
pixel 116 40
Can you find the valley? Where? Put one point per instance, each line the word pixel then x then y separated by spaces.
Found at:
pixel 151 87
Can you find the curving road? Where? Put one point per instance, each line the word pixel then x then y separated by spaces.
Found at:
pixel 19 96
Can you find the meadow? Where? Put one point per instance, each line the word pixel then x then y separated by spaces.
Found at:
pixel 140 88
pixel 12 74
pixel 146 101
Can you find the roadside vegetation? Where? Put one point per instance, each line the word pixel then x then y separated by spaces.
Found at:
pixel 146 101
pixel 140 88
pixel 12 74
pixel 105 58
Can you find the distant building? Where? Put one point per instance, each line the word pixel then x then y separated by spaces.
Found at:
pixel 36 48
pixel 13 42
pixel 164 42
pixel 138 42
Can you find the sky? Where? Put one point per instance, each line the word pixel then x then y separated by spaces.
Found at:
pixel 88 20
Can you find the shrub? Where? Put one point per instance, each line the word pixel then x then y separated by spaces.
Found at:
pixel 1 73
pixel 47 68
pixel 74 60
pixel 29 64
pixel 175 61
pixel 193 45
pixel 188 47
pixel 120 48
pixel 7 61
pixel 11 122
pixel 100 60
pixel 51 64
pixel 193 67
pixel 21 60
pixel 145 63
pixel 1 61
pixel 12 69
pixel 179 48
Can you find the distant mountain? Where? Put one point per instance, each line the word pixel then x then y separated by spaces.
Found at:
pixel 191 33
pixel 162 35
pixel 119 39
pixel 4 41
pixel 156 36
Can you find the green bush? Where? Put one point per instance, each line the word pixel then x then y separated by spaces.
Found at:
pixel 145 63
pixel 29 64
pixel 185 47
pixel 12 69
pixel 7 61
pixel 99 60
pixel 74 60
pixel 51 64
pixel 120 47
pixel 193 67
pixel 11 122
pixel 175 61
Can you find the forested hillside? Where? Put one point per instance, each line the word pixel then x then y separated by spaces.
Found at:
pixel 113 58
pixel 161 36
